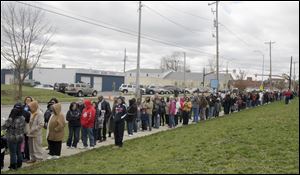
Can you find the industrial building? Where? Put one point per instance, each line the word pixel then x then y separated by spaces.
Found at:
pixel 100 80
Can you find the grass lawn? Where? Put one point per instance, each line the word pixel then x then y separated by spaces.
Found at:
pixel 260 140
pixel 41 95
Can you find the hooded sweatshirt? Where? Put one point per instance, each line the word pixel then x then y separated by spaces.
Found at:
pixel 36 122
pixel 56 124
pixel 88 115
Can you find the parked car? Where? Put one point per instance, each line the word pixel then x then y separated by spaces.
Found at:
pixel 60 87
pixel 31 83
pixel 172 89
pixel 80 90
pixel 191 90
pixel 151 89
pixel 128 88
pixel 44 86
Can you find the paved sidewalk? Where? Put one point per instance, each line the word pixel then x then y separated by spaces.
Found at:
pixel 110 141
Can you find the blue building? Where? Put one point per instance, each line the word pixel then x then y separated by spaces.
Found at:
pixel 100 80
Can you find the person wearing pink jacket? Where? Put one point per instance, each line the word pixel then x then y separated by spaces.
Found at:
pixel 172 112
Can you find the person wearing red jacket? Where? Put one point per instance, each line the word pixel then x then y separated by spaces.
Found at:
pixel 287 95
pixel 87 123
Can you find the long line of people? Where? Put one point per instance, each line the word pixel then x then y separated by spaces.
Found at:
pixel 93 119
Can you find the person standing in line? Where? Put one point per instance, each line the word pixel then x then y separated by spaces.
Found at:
pixel 111 127
pixel 26 111
pixel 98 125
pixel 87 122
pixel 15 129
pixel 172 112
pixel 148 105
pixel 104 107
pixel 187 106
pixel 119 119
pixel 48 113
pixel 137 122
pixel 195 107
pixel 131 114
pixel 167 110
pixel 34 134
pixel 55 131
pixel 73 118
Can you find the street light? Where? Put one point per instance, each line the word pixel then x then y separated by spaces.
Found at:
pixel 263 66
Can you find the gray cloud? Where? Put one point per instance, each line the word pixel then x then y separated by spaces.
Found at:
pixel 83 45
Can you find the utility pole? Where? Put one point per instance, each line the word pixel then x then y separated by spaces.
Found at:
pixel 216 25
pixel 184 69
pixel 226 76
pixel 290 82
pixel 270 49
pixel 125 60
pixel 138 54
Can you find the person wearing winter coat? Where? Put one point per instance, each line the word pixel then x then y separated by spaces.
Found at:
pixel 98 125
pixel 55 131
pixel 15 129
pixel 172 112
pixel 104 108
pixel 217 107
pixel 226 104
pixel 87 122
pixel 26 111
pixel 73 118
pixel 148 105
pixel 157 110
pixel 34 133
pixel 3 146
pixel 163 111
pixel 119 119
pixel 187 106
pixel 195 107
pixel 49 111
pixel 137 122
pixel 203 107
pixel 131 115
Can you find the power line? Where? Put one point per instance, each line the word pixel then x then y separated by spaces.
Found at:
pixel 190 14
pixel 116 29
pixel 172 21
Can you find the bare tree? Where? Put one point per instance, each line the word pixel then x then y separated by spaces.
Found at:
pixel 174 62
pixel 241 75
pixel 25 37
pixel 212 66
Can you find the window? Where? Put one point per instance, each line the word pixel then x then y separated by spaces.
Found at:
pixel 129 86
pixel 71 85
pixel 124 85
pixel 83 85
pixel 77 85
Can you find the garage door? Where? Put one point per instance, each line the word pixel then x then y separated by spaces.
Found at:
pixel 9 78
pixel 86 79
pixel 98 83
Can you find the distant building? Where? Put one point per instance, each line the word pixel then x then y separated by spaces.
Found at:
pixel 100 80
pixel 160 77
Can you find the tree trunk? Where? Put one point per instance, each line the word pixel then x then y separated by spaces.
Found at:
pixel 19 97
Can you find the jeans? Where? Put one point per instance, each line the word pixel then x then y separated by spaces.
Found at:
pixel 135 125
pixel 171 121
pixel 150 121
pixel 195 114
pixel 211 111
pixel 157 120
pixel 87 132
pixel 130 127
pixel 15 152
pixel 73 135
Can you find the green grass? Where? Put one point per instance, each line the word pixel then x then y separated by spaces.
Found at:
pixel 260 140
pixel 41 95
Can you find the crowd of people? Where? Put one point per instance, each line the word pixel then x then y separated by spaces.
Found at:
pixel 95 120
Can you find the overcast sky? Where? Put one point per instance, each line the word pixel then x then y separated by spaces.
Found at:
pixel 250 24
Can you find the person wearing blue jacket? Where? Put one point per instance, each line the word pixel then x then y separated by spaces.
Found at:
pixel 120 113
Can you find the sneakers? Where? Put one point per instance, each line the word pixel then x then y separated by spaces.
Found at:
pixel 68 147
pixel 50 157
pixel 84 147
pixel 130 135
pixel 73 147
pixel 91 147
pixel 56 157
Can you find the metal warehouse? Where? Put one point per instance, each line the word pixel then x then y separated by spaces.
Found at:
pixel 100 80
